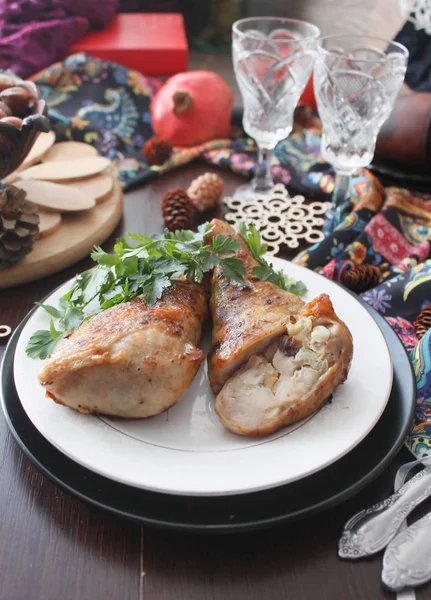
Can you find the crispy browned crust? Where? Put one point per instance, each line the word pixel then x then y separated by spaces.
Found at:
pixel 245 317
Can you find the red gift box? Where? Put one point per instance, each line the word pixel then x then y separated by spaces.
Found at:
pixel 154 44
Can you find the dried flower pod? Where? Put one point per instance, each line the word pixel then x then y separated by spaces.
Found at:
pixel 157 151
pixel 205 191
pixel 177 210
pixel 18 99
pixel 360 278
pixel 423 322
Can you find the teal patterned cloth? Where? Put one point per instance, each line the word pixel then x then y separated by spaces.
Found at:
pixel 419 438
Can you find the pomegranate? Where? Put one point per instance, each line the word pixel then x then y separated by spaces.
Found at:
pixel 192 108
pixel 308 94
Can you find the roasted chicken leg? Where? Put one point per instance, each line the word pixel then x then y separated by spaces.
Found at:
pixel 131 360
pixel 274 360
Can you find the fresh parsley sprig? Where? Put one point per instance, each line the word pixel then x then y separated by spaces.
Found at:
pixel 147 268
pixel 264 270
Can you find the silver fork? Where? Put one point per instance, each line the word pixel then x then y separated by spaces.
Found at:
pixel 371 530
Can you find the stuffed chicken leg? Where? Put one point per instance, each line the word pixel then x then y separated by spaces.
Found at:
pixel 274 359
pixel 131 360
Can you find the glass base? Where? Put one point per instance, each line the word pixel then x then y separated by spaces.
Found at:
pixel 247 192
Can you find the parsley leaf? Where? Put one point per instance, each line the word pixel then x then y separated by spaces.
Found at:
pixel 252 238
pixel 224 245
pixel 264 270
pixel 295 287
pixel 155 287
pixel 41 344
pixel 72 319
pixel 233 268
pixel 51 310
pixel 104 258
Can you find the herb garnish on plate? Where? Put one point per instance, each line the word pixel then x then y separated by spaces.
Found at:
pixel 147 269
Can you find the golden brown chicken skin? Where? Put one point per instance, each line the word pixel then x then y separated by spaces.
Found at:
pixel 274 359
pixel 246 318
pixel 131 360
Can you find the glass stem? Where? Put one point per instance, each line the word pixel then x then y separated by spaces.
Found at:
pixel 341 190
pixel 263 181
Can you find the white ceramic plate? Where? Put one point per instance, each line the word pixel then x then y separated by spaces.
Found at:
pixel 187 451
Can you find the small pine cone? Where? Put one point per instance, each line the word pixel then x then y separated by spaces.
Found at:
pixel 423 322
pixel 360 278
pixel 19 225
pixel 157 151
pixel 205 191
pixel 177 210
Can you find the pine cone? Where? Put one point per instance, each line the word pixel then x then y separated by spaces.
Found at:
pixel 423 322
pixel 205 191
pixel 360 278
pixel 157 151
pixel 19 224
pixel 177 210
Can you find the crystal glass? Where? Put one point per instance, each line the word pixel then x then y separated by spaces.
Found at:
pixel 273 60
pixel 356 82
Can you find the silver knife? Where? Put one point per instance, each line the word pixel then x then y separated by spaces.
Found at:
pixel 407 559
pixel 371 530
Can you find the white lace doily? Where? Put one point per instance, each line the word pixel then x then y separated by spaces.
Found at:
pixel 279 218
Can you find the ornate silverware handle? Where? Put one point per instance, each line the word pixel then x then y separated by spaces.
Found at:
pixel 371 530
pixel 407 561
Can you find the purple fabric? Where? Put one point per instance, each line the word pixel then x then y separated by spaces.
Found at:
pixel 36 33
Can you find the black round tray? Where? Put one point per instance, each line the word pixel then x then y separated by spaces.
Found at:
pixel 225 514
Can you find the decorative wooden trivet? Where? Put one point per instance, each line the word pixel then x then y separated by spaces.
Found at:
pixel 279 218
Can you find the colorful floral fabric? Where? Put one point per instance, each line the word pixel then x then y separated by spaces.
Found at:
pixel 108 106
pixel 103 104
pixel 419 439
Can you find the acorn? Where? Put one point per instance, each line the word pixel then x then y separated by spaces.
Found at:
pixel 6 82
pixel 18 99
pixel 15 121
pixel 4 108
pixel 31 89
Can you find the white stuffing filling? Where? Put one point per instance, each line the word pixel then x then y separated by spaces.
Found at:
pixel 288 370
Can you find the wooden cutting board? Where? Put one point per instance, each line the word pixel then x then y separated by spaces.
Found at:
pixel 74 240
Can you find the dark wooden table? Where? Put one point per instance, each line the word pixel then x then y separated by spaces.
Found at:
pixel 53 547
